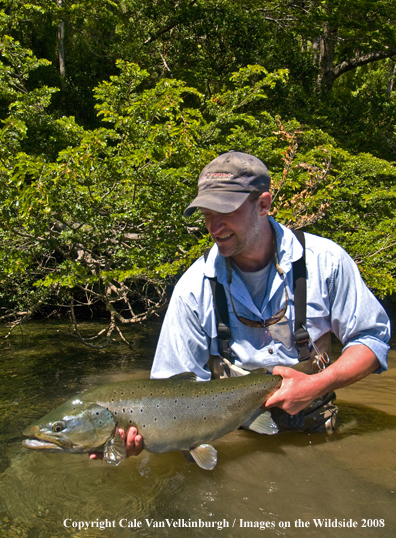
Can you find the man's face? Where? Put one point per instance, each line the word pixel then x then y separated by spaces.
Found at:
pixel 236 233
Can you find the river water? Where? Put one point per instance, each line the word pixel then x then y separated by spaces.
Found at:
pixel 289 485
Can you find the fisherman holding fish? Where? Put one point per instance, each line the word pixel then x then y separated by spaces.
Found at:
pixel 252 270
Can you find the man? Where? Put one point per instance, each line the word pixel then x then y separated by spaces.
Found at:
pixel 253 259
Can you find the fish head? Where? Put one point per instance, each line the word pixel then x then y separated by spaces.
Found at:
pixel 75 426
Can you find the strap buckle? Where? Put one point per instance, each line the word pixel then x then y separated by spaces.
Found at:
pixel 223 340
pixel 302 340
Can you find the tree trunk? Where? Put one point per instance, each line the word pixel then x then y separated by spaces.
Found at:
pixel 392 75
pixel 326 61
pixel 61 49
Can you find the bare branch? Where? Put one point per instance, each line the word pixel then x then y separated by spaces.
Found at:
pixel 363 59
pixel 23 317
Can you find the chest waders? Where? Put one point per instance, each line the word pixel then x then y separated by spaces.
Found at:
pixel 321 414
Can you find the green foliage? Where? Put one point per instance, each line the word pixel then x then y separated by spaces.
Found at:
pixel 363 205
pixel 97 167
pixel 104 217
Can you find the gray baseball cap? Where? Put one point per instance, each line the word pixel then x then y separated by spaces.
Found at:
pixel 226 182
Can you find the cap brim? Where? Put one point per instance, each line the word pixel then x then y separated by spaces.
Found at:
pixel 221 201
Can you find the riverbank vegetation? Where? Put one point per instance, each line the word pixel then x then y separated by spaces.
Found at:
pixel 110 108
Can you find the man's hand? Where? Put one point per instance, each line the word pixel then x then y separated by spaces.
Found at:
pixel 133 441
pixel 298 390
pixel 295 392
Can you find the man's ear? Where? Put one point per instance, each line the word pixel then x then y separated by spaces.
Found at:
pixel 265 202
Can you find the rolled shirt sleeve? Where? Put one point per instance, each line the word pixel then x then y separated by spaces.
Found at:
pixel 356 315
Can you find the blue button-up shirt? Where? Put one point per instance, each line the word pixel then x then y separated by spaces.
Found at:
pixel 337 301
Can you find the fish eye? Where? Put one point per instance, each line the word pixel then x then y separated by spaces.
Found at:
pixel 58 426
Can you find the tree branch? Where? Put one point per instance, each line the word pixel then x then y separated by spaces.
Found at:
pixel 364 59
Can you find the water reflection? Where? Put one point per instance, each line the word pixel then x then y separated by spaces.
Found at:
pixel 269 481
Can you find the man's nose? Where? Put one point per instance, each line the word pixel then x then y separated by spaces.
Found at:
pixel 216 223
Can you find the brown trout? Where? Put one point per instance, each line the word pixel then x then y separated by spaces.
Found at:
pixel 171 414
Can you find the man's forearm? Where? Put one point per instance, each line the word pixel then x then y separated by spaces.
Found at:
pixel 299 390
pixel 355 363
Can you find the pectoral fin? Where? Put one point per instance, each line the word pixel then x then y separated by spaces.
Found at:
pixel 187 455
pixel 261 422
pixel 115 450
pixel 205 456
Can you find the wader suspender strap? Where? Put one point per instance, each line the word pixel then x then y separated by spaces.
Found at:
pixel 300 301
pixel 222 316
pixel 301 335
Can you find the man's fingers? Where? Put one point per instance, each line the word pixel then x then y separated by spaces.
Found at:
pixel 96 455
pixel 133 443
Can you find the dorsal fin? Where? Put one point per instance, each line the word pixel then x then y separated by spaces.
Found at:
pixel 258 371
pixel 186 376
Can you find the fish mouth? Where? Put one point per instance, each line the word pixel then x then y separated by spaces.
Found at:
pixel 43 441
pixel 39 444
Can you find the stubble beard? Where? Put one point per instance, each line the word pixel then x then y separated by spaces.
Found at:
pixel 246 245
